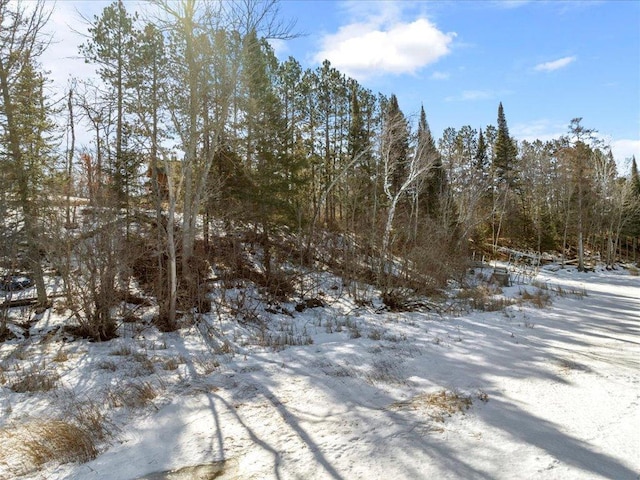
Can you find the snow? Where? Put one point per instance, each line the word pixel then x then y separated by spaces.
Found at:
pixel 554 392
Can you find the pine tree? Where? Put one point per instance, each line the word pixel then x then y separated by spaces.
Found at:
pixel 580 155
pixel 481 159
pixel 396 143
pixel 436 182
pixel 26 150
pixel 504 152
pixel 358 139
pixel 111 45
pixel 273 172
pixel 632 207
pixel 635 177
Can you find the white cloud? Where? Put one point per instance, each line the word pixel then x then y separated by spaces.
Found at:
pixel 623 149
pixel 541 129
pixel 555 64
pixel 546 130
pixel 383 44
pixel 280 47
pixel 62 58
pixel 68 28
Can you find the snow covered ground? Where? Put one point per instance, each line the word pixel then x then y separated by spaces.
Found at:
pixel 521 393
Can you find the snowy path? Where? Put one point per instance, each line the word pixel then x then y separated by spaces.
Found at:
pixel 563 387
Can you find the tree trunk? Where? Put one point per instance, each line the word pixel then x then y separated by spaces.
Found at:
pixel 70 157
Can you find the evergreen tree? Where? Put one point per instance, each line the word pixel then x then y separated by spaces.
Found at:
pixel 358 139
pixel 26 147
pixel 580 156
pixel 436 181
pixel 111 45
pixel 274 173
pixel 504 152
pixel 635 177
pixel 481 159
pixel 632 207
pixel 288 80
pixel 396 144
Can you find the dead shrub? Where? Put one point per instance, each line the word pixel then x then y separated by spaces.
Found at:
pixel 27 447
pixel 99 258
pixel 100 330
pixel 232 260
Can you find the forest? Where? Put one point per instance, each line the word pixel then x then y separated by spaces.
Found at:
pixel 203 146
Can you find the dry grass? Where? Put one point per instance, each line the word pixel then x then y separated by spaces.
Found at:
pixel 539 298
pixel 26 448
pixel 439 405
pixel 144 365
pixel 560 291
pixel 19 353
pixel 386 370
pixel 107 365
pixel 35 381
pixel 375 334
pixel 123 351
pixel 485 298
pixel 279 341
pixel 205 364
pixel 132 395
pixel 172 363
pixel 61 356
pixel 90 417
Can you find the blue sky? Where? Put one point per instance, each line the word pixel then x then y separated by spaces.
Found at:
pixel 547 61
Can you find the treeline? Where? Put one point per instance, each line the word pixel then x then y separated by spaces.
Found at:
pixel 193 118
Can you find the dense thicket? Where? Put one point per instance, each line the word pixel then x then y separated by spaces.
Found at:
pixel 194 118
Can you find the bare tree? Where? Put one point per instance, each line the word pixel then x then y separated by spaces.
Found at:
pixel 260 16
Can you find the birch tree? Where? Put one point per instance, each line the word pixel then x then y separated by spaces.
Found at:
pixel 401 170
